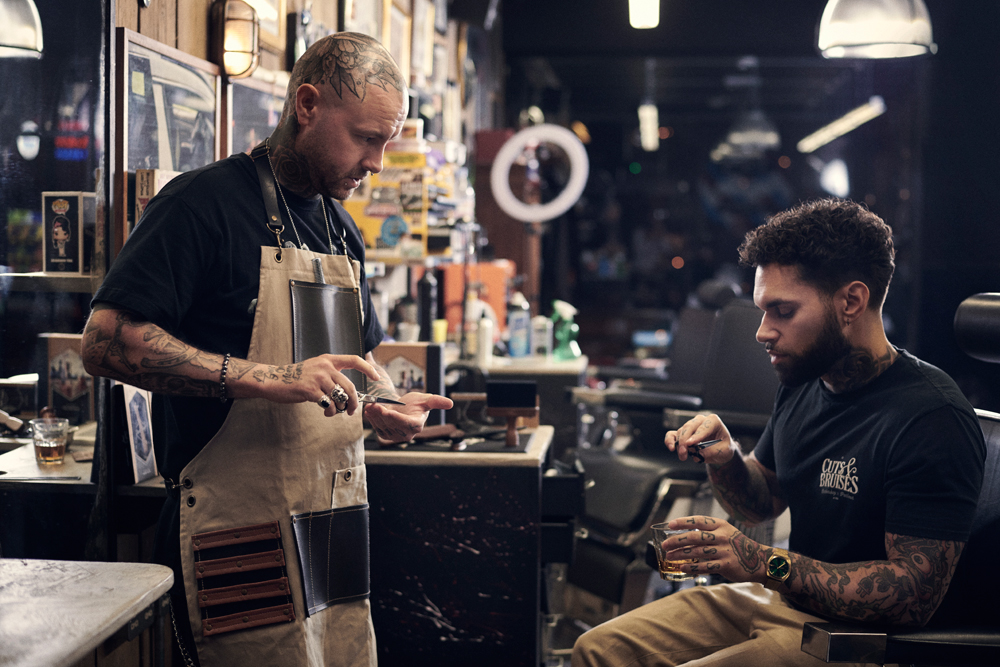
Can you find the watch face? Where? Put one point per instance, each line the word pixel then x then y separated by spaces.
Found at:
pixel 778 567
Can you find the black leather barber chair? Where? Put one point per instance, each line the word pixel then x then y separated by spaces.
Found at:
pixel 965 630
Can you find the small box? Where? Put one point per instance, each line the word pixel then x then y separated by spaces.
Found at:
pixel 415 367
pixel 69 389
pixel 62 247
pixel 148 182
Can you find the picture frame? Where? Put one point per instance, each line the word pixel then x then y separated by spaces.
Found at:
pixel 397 33
pixel 253 109
pixel 422 41
pixel 63 224
pixel 364 16
pixel 138 411
pixel 272 18
pixel 168 117
pixel 303 31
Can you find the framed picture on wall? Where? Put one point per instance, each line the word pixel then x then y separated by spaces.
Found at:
pixel 421 54
pixel 364 16
pixel 168 118
pixel 271 14
pixel 254 108
pixel 396 34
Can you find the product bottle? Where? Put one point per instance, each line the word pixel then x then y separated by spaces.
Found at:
pixel 541 336
pixel 484 344
pixel 519 326
pixel 427 288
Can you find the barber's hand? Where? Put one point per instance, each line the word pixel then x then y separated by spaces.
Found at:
pixel 309 381
pixel 702 428
pixel 719 549
pixel 399 423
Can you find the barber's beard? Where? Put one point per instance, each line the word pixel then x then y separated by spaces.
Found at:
pixel 829 347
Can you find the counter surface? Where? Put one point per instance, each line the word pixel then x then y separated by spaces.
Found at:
pixel 53 613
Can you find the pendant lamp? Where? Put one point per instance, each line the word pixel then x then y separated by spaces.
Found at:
pixel 20 29
pixel 875 29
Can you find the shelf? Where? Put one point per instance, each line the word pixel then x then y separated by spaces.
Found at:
pixel 47 282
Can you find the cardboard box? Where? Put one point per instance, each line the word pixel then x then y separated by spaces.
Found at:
pixel 415 367
pixel 63 218
pixel 68 388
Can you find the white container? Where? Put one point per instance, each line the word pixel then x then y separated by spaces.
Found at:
pixel 541 336
pixel 484 343
pixel 519 327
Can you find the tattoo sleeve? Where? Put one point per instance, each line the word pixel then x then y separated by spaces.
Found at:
pixel 383 386
pixel 906 589
pixel 742 490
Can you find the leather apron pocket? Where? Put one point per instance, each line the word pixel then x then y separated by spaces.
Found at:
pixel 333 555
pixel 242 581
pixel 326 319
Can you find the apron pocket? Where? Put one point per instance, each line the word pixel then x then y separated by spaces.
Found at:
pixel 327 320
pixel 333 555
pixel 242 581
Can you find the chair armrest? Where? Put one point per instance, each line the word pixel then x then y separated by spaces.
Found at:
pixel 844 642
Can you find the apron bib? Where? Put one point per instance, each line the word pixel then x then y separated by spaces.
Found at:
pixel 269 462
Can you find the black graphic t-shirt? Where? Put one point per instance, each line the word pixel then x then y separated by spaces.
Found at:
pixel 904 455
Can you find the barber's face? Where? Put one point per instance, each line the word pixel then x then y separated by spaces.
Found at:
pixel 344 143
pixel 799 328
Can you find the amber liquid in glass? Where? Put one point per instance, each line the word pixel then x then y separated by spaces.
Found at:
pixel 50 451
pixel 670 569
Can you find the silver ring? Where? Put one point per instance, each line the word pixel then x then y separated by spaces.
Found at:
pixel 340 410
pixel 324 402
pixel 338 394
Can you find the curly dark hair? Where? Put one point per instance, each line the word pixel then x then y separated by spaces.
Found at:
pixel 831 241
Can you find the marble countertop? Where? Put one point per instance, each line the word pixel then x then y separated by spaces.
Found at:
pixel 53 613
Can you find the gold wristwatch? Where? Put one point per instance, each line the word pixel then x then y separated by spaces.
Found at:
pixel 778 569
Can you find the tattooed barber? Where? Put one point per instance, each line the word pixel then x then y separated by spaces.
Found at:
pixel 877 454
pixel 198 309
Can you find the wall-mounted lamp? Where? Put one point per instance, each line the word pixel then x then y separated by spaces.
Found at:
pixel 235 37
pixel 644 13
pixel 20 29
pixel 882 29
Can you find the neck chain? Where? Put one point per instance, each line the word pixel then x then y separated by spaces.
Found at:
pixel 322 201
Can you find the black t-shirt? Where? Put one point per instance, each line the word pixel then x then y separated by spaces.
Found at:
pixel 903 454
pixel 192 266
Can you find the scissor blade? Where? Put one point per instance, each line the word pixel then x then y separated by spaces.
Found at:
pixel 369 398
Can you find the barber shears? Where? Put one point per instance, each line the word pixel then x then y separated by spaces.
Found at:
pixel 695 450
pixel 370 398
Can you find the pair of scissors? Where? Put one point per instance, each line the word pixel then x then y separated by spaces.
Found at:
pixel 695 449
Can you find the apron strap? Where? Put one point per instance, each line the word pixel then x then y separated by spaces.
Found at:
pixel 269 191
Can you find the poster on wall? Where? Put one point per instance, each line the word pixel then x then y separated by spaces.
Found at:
pixel 63 241
pixel 140 432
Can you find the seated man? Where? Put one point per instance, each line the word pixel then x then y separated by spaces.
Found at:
pixel 878 455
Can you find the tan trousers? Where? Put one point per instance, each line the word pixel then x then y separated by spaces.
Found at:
pixel 726 625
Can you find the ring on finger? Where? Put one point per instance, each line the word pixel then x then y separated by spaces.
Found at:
pixel 338 394
pixel 341 409
pixel 324 402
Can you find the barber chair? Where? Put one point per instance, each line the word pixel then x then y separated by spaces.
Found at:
pixel 965 630
pixel 631 489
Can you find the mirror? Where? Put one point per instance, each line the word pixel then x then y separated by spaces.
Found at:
pixel 535 158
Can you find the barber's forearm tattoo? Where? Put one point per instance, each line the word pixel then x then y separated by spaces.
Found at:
pixel 742 490
pixel 905 590
pixel 165 364
pixel 284 374
pixel 858 368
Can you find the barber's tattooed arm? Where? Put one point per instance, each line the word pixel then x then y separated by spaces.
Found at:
pixel 904 589
pixel 383 386
pixel 121 345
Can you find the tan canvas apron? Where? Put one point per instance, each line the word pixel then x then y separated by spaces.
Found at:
pixel 268 462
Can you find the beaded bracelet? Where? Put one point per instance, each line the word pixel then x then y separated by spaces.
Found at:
pixel 222 378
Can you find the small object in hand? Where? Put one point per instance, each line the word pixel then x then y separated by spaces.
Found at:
pixel 670 570
pixel 370 398
pixel 696 449
pixel 338 395
pixel 324 402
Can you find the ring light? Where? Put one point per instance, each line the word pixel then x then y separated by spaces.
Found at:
pixel 579 166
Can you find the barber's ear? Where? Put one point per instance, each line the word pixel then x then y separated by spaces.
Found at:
pixel 854 298
pixel 306 103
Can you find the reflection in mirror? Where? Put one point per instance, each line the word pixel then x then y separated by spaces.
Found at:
pixel 540 173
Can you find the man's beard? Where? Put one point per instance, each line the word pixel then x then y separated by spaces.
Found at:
pixel 829 347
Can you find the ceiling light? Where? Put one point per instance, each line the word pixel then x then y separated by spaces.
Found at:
pixel 28 142
pixel 849 121
pixel 649 127
pixel 875 29
pixel 644 14
pixel 20 29
pixel 754 132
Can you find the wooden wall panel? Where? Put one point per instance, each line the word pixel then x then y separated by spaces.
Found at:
pixel 192 27
pixel 159 21
pixel 127 14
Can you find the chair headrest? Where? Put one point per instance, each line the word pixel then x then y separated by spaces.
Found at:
pixel 977 326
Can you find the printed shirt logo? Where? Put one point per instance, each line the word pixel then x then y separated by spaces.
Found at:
pixel 839 478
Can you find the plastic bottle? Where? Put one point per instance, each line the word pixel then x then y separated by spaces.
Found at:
pixel 427 302
pixel 519 326
pixel 541 336
pixel 484 342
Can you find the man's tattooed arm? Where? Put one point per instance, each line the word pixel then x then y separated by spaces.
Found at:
pixel 384 386
pixel 120 345
pixel 906 589
pixel 745 489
